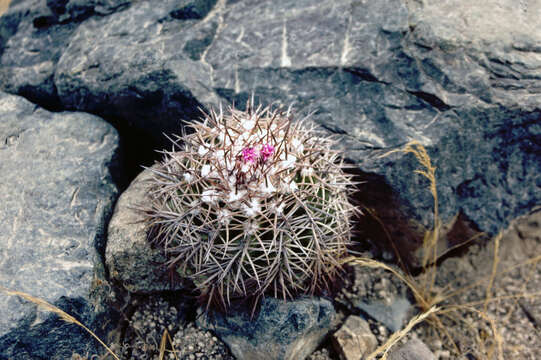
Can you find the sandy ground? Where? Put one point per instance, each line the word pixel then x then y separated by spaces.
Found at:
pixel 514 308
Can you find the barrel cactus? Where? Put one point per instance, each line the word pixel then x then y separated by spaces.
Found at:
pixel 252 203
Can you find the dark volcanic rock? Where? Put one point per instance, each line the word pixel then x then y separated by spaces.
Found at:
pixel 131 66
pixel 380 74
pixel 279 330
pixel 461 79
pixel 33 35
pixel 56 196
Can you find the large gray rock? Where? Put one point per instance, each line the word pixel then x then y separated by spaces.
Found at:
pixel 281 330
pixel 380 74
pixel 461 79
pixel 130 260
pixel 56 196
pixel 33 35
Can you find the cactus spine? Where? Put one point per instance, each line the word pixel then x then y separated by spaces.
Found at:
pixel 252 203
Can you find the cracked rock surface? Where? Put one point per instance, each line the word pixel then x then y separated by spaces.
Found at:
pixel 461 79
pixel 56 195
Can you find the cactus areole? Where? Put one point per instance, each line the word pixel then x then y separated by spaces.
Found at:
pixel 251 203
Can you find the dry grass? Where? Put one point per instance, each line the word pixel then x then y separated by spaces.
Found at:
pixel 166 337
pixel 384 349
pixel 62 314
pixel 436 305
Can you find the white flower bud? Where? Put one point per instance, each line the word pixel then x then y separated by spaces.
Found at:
pixel 202 151
pixel 194 207
pixel 205 170
pixel 289 187
pixel 307 171
pixel 252 209
pixel 267 188
pixel 278 209
pixel 248 124
pixel 250 227
pixel 297 145
pixel 288 162
pixel 236 196
pixel 208 196
pixel 224 216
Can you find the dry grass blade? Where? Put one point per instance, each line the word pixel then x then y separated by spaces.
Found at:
pixel 431 237
pixel 370 263
pixel 63 315
pixel 393 339
pixel 163 345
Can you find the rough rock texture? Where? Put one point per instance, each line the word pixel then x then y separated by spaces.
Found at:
pixel 354 340
pixel 129 257
pixel 155 316
pixel 280 330
pixel 414 349
pixel 461 79
pixel 392 315
pixel 377 293
pixel 132 66
pixel 33 36
pixel 56 195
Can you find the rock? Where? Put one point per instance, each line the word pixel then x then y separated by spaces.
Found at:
pixel 191 341
pixel 35 34
pixel 379 294
pixel 391 315
pixel 414 349
pixel 119 68
pixel 279 330
pixel 354 340
pixel 56 196
pixel 377 73
pixel 382 74
pixel 131 261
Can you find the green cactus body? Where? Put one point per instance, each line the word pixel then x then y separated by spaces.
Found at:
pixel 252 203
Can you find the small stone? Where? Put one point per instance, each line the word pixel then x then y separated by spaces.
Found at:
pixel 354 339
pixel 414 349
pixel 392 316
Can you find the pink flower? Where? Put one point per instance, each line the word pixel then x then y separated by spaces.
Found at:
pixel 249 154
pixel 267 151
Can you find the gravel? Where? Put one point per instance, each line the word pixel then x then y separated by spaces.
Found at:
pixel 146 328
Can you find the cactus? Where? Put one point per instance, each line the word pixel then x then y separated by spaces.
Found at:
pixel 252 203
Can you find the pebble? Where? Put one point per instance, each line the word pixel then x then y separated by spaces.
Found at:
pixel 146 329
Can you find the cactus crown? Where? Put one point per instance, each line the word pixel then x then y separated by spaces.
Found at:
pixel 252 203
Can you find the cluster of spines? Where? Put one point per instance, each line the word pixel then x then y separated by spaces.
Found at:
pixel 252 203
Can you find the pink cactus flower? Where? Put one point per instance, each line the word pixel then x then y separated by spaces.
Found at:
pixel 267 151
pixel 249 154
